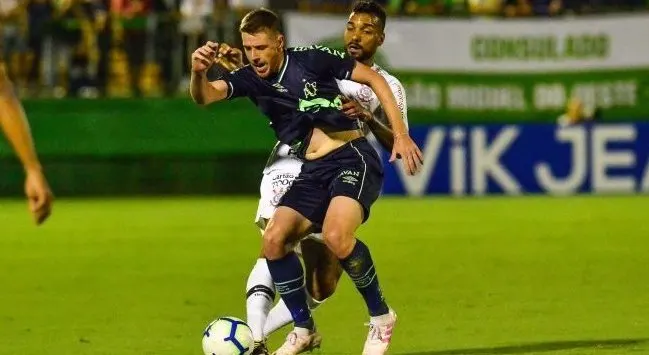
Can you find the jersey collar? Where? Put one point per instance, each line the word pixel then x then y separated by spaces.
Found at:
pixel 282 71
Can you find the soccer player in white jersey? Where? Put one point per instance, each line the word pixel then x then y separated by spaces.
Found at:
pixel 363 35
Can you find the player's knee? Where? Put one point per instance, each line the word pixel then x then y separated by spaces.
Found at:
pixel 274 243
pixel 338 241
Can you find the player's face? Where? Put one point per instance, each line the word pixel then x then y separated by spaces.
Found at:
pixel 264 50
pixel 363 35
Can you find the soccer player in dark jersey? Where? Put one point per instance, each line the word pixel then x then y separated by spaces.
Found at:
pixel 363 35
pixel 342 174
pixel 16 128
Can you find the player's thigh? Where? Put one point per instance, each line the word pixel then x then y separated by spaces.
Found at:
pixel 343 217
pixel 285 228
pixel 322 267
pixel 361 179
pixel 309 197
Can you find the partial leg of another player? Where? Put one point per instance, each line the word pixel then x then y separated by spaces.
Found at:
pixel 260 295
pixel 343 217
pixel 322 273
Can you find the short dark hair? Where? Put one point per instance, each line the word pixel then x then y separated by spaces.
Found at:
pixel 260 19
pixel 372 8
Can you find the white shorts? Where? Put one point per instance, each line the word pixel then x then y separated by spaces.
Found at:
pixel 276 180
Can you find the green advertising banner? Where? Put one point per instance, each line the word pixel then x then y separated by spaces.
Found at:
pixel 460 70
pixel 620 94
pixel 139 127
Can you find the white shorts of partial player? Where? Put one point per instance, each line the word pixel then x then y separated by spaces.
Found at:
pixel 276 180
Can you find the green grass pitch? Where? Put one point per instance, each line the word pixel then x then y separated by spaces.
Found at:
pixel 526 275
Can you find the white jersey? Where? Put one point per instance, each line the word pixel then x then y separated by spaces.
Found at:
pixel 283 166
pixel 368 99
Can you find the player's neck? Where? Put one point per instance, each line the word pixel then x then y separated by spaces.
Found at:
pixel 282 58
pixel 369 62
pixel 280 65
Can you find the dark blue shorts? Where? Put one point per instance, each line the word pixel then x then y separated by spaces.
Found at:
pixel 353 170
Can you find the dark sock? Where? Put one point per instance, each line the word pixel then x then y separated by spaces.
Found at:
pixel 288 277
pixel 360 267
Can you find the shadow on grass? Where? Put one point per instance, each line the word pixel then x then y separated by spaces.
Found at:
pixel 539 347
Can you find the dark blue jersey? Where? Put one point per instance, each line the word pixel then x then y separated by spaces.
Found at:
pixel 303 95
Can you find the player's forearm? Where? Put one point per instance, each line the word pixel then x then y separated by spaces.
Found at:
pixel 382 133
pixel 16 128
pixel 202 91
pixel 198 88
pixel 389 104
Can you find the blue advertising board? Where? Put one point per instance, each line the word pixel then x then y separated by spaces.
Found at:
pixel 527 158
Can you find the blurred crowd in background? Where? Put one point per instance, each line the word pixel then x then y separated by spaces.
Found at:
pixel 125 48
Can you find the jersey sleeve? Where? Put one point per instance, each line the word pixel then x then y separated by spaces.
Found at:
pixel 400 95
pixel 330 62
pixel 239 83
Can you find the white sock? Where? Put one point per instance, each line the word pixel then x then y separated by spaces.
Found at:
pixel 280 316
pixel 260 294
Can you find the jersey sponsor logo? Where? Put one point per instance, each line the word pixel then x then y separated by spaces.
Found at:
pixel 283 180
pixel 279 87
pixel 322 48
pixel 349 176
pixel 314 105
pixel 281 183
pixel 350 180
pixel 350 173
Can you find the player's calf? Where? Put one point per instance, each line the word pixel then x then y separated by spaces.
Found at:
pixel 344 215
pixel 285 268
pixel 322 269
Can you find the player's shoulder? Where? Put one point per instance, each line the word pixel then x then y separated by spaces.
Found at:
pixel 315 50
pixel 244 74
pixel 244 70
pixel 391 79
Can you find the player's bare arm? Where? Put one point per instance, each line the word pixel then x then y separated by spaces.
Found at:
pixel 16 128
pixel 404 147
pixel 203 91
pixel 382 132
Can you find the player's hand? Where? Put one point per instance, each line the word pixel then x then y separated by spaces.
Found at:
pixel 39 195
pixel 405 148
pixel 353 109
pixel 229 58
pixel 203 58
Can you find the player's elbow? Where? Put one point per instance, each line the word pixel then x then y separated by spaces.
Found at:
pixel 200 100
pixel 375 80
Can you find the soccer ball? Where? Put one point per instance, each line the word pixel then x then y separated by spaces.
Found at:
pixel 227 336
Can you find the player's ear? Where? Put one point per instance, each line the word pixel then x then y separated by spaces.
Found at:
pixel 280 41
pixel 381 38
